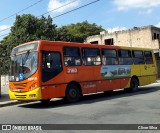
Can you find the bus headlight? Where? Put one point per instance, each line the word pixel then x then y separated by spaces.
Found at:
pixel 32 95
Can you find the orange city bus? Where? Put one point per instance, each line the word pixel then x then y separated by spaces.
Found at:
pixel 42 70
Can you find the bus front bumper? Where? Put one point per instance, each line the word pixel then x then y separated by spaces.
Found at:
pixel 26 96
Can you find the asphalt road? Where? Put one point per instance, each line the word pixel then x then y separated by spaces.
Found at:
pixel 141 107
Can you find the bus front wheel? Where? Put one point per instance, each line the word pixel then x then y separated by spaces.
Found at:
pixel 72 93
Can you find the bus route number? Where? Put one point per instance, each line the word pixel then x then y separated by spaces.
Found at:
pixel 72 70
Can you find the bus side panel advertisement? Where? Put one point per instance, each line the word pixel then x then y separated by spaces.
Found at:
pixel 115 71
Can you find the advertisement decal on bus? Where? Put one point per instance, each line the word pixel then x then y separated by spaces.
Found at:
pixel 115 71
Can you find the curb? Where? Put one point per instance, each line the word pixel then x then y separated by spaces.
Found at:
pixel 11 103
pixel 15 102
pixel 8 103
pixel 158 81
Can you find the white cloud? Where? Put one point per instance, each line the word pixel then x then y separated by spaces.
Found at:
pixel 3 27
pixel 67 4
pixel 127 4
pixel 4 30
pixel 158 25
pixel 111 30
pixel 149 11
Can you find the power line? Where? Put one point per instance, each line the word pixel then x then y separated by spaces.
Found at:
pixel 21 10
pixel 68 11
pixel 90 14
pixel 3 35
pixel 76 8
pixel 5 29
pixel 48 12
pixel 59 7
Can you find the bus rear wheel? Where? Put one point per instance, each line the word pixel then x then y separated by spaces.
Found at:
pixel 72 93
pixel 134 84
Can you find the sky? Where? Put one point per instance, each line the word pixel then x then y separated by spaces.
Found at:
pixel 112 15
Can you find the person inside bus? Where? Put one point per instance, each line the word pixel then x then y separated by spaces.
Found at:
pixel 71 62
pixel 68 62
pixel 55 61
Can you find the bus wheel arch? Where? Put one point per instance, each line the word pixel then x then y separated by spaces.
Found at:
pixel 73 92
pixel 134 83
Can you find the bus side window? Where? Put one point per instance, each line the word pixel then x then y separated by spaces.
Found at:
pixel 109 57
pixel 51 61
pixel 91 56
pixel 138 57
pixel 125 57
pixel 148 57
pixel 71 56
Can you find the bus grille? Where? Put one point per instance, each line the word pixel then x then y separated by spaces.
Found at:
pixel 20 96
pixel 20 86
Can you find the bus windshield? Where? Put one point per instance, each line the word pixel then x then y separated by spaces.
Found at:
pixel 23 66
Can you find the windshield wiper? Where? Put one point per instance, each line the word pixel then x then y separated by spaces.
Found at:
pixel 25 58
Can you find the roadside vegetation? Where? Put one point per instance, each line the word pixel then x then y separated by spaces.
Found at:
pixel 28 28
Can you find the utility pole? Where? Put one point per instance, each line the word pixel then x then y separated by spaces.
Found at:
pixel 0 73
pixel 0 78
pixel 1 60
pixel 1 63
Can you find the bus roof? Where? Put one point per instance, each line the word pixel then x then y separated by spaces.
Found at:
pixel 74 44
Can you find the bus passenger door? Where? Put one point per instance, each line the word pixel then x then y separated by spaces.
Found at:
pixel 139 66
pixel 52 75
pixel 150 66
pixel 148 73
pixel 144 78
pixel 152 72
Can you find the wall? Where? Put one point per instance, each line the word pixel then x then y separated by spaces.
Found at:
pixel 136 37
pixel 4 80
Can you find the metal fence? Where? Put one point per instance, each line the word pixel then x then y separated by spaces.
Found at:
pixel 4 80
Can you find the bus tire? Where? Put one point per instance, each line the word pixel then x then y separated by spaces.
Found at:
pixel 72 93
pixel 134 84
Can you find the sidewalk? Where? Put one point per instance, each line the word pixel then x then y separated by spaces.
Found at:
pixel 5 101
pixel 4 93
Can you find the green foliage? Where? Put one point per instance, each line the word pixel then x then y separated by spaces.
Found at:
pixel 77 32
pixel 27 28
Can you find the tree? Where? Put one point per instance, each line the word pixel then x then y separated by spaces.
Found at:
pixel 26 28
pixel 77 32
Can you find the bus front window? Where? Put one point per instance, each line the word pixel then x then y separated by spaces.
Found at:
pixel 23 66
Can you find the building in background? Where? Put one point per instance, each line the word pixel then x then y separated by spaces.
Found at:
pixel 145 37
